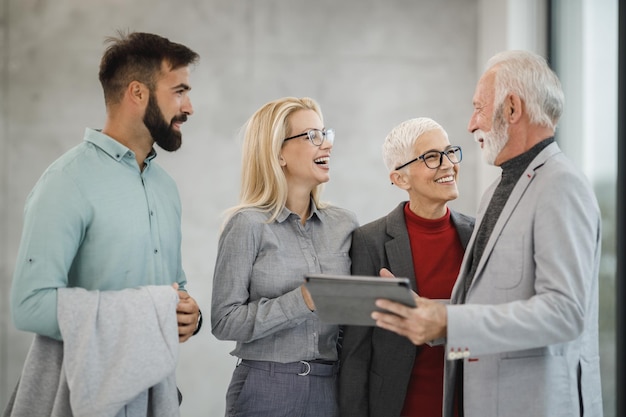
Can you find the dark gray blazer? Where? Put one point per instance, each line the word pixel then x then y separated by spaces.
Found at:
pixel 376 364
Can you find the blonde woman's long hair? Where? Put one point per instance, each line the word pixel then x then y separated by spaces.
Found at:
pixel 263 182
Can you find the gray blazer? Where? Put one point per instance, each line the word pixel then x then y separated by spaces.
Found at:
pixel 117 358
pixel 376 364
pixel 528 333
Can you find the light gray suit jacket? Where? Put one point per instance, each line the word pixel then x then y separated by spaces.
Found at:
pixel 528 332
pixel 376 364
pixel 117 358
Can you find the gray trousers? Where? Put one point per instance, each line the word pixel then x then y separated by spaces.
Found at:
pixel 272 389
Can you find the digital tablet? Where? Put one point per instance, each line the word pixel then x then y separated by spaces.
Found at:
pixel 350 299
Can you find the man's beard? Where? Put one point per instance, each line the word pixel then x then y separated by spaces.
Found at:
pixel 163 133
pixel 496 139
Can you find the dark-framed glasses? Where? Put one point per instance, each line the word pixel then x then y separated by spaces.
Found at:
pixel 433 159
pixel 316 136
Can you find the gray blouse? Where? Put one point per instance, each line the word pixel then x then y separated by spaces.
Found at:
pixel 260 266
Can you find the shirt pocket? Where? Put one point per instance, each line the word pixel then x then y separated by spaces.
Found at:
pixel 535 386
pixel 335 263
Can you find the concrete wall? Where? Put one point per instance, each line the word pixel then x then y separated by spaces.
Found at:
pixel 371 64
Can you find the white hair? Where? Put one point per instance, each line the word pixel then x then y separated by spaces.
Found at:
pixel 399 142
pixel 528 75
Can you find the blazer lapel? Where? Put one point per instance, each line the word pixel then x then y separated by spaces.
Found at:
pixel 518 191
pixel 455 296
pixel 457 289
pixel 398 247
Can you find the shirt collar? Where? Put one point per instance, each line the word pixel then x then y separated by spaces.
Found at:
pixel 112 147
pixel 285 213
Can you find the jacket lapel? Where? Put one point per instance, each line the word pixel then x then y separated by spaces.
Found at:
pixel 516 195
pixel 398 247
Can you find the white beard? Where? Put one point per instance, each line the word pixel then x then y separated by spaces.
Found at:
pixel 496 139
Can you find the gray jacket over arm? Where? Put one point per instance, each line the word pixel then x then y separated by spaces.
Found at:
pixel 118 357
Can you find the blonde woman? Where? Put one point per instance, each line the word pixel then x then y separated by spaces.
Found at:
pixel 279 232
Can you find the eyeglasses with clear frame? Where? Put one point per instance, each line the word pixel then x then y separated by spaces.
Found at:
pixel 316 136
pixel 433 159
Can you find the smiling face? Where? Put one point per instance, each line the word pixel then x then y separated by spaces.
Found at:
pixel 304 164
pixel 429 189
pixel 168 107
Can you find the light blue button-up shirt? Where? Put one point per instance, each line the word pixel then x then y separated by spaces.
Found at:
pixel 95 221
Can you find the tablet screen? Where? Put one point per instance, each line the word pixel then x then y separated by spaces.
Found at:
pixel 350 299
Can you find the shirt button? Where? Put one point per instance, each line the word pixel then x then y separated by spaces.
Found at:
pixel 151 213
pixel 156 251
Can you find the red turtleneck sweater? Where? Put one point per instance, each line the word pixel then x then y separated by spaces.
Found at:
pixel 437 255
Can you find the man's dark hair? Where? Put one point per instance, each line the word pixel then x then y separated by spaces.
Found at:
pixel 138 57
